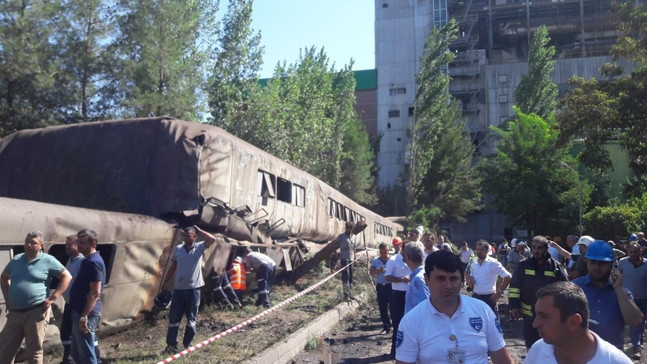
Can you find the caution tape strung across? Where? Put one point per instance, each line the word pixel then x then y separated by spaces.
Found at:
pixel 250 320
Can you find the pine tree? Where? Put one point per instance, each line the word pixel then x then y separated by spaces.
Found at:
pixel 234 80
pixel 537 93
pixel 440 175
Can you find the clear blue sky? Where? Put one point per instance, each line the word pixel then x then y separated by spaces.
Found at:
pixel 344 28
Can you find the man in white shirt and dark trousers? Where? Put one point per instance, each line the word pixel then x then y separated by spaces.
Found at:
pixel 483 275
pixel 449 327
pixel 382 286
pixel 562 317
pixel 397 272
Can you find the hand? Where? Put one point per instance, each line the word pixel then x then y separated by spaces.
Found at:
pixel 50 301
pixel 552 243
pixel 514 313
pixel 470 281
pixel 495 297
pixel 406 279
pixel 616 278
pixel 83 327
pixel 381 270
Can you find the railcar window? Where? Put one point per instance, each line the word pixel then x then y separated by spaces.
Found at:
pixel 348 214
pixel 284 190
pixel 340 211
pixel 298 195
pixel 332 206
pixel 107 252
pixel 267 184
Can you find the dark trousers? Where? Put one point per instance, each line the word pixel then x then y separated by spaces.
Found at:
pixel 264 277
pixel 383 298
pixel 397 311
pixel 637 332
pixel 222 291
pixel 486 298
pixel 530 334
pixel 347 278
pixel 184 302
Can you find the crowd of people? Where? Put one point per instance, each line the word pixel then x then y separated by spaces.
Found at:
pixel 574 300
pixel 25 284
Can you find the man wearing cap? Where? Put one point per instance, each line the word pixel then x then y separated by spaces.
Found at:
pixel 186 266
pixel 563 323
pixel 382 286
pixel 397 273
pixel 516 255
pixel 530 275
pixel 634 274
pixel 580 268
pixel 611 305
pixel 483 275
pixel 25 288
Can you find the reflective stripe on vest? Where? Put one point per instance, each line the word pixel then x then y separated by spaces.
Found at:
pixel 238 277
pixel 529 272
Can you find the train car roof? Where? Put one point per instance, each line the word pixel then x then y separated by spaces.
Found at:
pixel 147 166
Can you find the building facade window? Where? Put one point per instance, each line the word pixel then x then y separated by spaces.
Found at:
pixel 394 113
pixel 397 91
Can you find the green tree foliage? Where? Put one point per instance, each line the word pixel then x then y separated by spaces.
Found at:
pixel 613 222
pixel 89 67
pixel 614 107
pixel 527 181
pixel 305 115
pixel 537 93
pixel 164 57
pixel 28 65
pixel 440 173
pixel 234 80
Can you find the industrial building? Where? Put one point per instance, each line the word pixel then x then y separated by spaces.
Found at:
pixel 491 58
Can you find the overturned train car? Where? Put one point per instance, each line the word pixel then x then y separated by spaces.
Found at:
pixel 133 180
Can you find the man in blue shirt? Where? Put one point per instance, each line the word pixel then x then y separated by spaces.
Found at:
pixel 85 299
pixel 73 265
pixel 611 305
pixel 25 285
pixel 418 290
pixel 382 286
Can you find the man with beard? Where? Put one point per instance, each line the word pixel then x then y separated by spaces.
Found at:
pixel 483 275
pixel 530 275
pixel 611 305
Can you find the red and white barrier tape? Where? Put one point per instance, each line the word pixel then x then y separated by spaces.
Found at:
pixel 250 320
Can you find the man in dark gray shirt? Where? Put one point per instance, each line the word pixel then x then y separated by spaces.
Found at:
pixel 347 250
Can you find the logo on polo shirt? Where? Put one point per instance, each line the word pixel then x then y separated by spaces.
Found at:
pixel 476 323
pixel 399 338
pixel 497 323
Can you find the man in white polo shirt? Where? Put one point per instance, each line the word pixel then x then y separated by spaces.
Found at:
pixel 449 327
pixel 562 321
pixel 483 276
pixel 397 272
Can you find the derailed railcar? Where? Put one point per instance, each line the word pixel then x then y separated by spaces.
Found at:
pixel 186 171
pixel 133 180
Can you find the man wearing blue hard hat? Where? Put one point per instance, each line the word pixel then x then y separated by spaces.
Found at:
pixel 611 305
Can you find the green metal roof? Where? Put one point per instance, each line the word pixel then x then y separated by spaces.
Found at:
pixel 364 80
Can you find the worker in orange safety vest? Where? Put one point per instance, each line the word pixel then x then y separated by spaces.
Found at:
pixel 238 277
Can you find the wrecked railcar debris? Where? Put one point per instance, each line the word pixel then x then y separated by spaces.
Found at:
pixel 170 172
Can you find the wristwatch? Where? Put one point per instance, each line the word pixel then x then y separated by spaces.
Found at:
pixel 84 318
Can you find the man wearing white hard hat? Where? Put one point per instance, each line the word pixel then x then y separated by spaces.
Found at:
pixel 580 269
